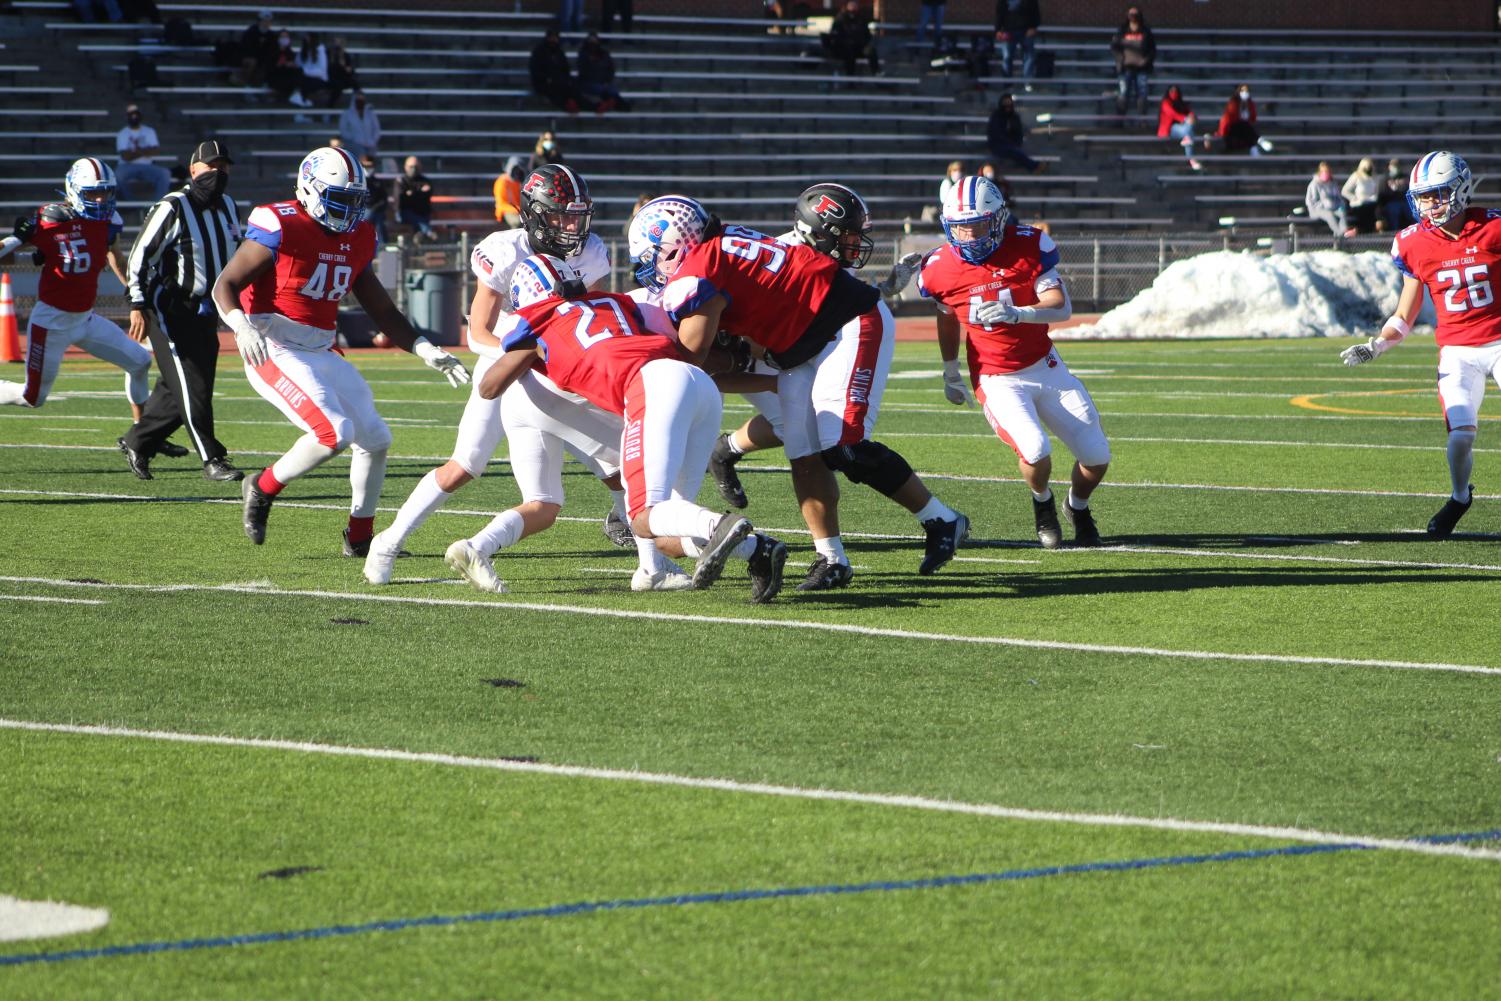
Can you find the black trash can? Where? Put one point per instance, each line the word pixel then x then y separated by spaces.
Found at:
pixel 433 305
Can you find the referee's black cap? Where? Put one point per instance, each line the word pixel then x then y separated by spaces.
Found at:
pixel 210 150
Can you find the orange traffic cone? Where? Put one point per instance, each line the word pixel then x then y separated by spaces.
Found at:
pixel 10 338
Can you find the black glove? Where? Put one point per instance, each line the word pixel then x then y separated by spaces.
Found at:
pixel 25 227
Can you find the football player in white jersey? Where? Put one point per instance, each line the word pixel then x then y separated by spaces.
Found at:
pixel 556 213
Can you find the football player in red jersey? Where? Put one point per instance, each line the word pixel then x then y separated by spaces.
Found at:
pixel 831 337
pixel 998 283
pixel 618 354
pixel 75 238
pixel 1455 251
pixel 280 295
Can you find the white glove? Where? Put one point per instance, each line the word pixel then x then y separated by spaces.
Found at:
pixel 439 360
pixel 993 314
pixel 954 389
pixel 900 276
pixel 249 341
pixel 1369 351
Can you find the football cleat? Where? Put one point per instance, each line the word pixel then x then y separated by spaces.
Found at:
pixel 378 562
pixel 221 469
pixel 257 507
pixel 474 566
pixel 139 464
pixel 360 549
pixel 669 578
pixel 618 531
pixel 765 566
pixel 1045 517
pixel 171 450
pixel 825 575
pixel 1442 524
pixel 1085 532
pixel 943 538
pixel 729 533
pixel 722 467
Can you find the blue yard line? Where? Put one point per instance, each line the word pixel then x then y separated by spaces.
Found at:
pixel 724 897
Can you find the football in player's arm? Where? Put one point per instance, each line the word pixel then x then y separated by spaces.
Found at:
pixel 1455 252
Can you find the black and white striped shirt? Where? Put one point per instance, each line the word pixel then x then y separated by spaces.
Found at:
pixel 186 245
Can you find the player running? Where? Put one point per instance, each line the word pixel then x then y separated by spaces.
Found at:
pixel 280 295
pixel 830 335
pixel 997 282
pixel 618 354
pixel 75 238
pixel 1451 250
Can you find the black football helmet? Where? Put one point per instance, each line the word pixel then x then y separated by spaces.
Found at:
pixel 834 220
pixel 556 210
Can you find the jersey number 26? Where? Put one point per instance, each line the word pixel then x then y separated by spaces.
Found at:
pixel 1473 285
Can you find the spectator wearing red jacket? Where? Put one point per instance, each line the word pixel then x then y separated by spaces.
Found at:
pixel 1238 124
pixel 1176 120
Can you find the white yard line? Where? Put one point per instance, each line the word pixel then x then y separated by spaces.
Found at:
pixel 58 601
pixel 792 624
pixel 1296 834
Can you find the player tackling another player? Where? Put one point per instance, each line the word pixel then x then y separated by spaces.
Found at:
pixel 1451 250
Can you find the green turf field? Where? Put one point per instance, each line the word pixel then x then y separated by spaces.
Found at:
pixel 1251 749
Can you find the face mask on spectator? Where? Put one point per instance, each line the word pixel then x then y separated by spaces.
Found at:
pixel 284 42
pixel 548 146
pixel 1245 94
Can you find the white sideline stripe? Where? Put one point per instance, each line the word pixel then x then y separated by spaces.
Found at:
pixel 829 627
pixel 765 789
pixel 22 920
pixel 60 601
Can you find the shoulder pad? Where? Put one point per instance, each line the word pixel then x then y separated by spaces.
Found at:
pixel 55 212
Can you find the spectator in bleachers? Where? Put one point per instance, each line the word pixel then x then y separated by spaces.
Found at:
pixel 137 144
pixel 341 72
pixel 143 10
pixel 1176 120
pixel 931 13
pixel 312 59
pixel 380 198
pixel 570 14
pixel 1004 134
pixel 849 39
pixel 1238 124
pixel 951 177
pixel 1323 201
pixel 87 8
pixel 284 74
pixel 641 200
pixel 597 76
pixel 1361 190
pixel 1135 51
pixel 255 51
pixel 414 198
pixel 607 11
pixel 546 150
pixel 1391 199
pixel 552 77
pixel 359 126
pixel 1016 24
pixel 508 193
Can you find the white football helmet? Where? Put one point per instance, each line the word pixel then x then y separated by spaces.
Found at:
pixel 543 276
pixel 331 186
pixel 662 233
pixel 975 200
pixel 85 180
pixel 1440 171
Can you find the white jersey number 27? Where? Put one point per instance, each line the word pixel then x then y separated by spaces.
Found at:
pixel 1468 290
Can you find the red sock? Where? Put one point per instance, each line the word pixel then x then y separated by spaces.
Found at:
pixel 361 529
pixel 268 484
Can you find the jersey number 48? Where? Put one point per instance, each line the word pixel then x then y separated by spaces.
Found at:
pixel 317 286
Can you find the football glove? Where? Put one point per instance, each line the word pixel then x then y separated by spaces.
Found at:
pixel 441 361
pixel 25 227
pixel 249 341
pixel 900 275
pixel 1362 353
pixel 993 314
pixel 954 389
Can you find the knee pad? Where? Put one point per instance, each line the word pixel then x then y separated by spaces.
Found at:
pixel 870 463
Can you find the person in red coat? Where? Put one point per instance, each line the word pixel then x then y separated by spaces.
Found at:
pixel 1238 124
pixel 1176 120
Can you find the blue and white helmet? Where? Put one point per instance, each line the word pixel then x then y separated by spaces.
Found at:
pixel 543 276
pixel 83 183
pixel 331 187
pixel 1440 172
pixel 663 232
pixel 970 201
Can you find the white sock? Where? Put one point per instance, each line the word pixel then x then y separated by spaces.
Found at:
pixel 651 558
pixel 426 497
pixel 733 444
pixel 367 472
pixel 302 458
pixel 691 548
pixel 1461 462
pixel 676 516
pixel 935 508
pixel 831 549
pixel 503 530
pixel 617 502
pixel 747 547
pixel 1046 495
pixel 13 392
pixel 1076 502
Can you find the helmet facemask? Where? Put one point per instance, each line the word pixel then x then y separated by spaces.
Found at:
pixel 975 204
pixel 1446 175
pixel 90 190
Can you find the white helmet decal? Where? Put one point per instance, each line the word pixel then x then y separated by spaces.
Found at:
pixel 331 187
pixel 662 233
pixel 543 276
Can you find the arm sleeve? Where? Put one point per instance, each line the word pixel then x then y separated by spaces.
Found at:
pixel 685 295
pixel 515 334
pixel 264 228
pixel 1398 260
pixel 146 252
pixel 1048 252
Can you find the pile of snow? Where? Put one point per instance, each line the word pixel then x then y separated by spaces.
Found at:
pixel 1325 293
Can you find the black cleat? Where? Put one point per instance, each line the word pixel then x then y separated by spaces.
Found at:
pixel 722 467
pixel 825 575
pixel 766 568
pixel 1045 517
pixel 1442 524
pixel 729 533
pixel 618 531
pixel 139 463
pixel 171 450
pixel 360 549
pixel 257 507
pixel 943 538
pixel 222 470
pixel 1085 533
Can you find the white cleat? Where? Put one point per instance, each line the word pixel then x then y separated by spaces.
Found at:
pixel 666 579
pixel 474 566
pixel 379 562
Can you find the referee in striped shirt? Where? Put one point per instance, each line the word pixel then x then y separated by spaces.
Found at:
pixel 186 240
